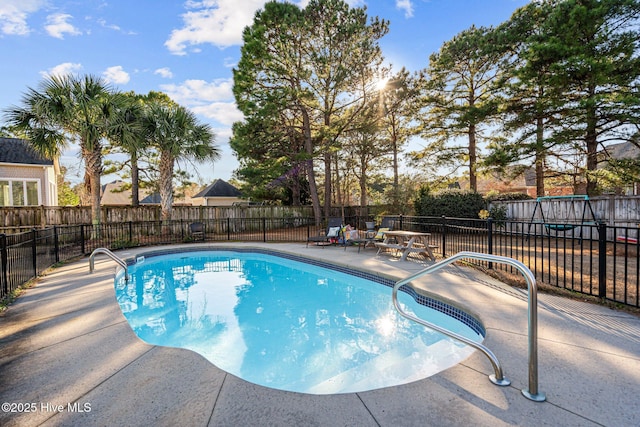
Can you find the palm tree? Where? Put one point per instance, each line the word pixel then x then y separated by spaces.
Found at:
pixel 130 137
pixel 176 133
pixel 70 109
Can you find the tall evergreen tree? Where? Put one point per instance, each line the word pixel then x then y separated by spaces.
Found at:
pixel 310 63
pixel 594 45
pixel 528 106
pixel 461 98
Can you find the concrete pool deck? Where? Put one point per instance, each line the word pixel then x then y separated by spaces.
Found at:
pixel 69 357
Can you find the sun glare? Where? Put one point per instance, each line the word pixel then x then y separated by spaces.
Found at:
pixel 382 83
pixel 385 326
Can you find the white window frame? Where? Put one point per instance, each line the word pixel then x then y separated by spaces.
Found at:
pixel 24 190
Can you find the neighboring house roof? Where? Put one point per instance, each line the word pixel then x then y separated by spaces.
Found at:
pixel 14 150
pixel 113 194
pixel 623 150
pixel 219 188
pixel 152 199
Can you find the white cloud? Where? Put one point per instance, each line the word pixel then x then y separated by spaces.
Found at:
pixel 213 100
pixel 14 13
pixel 230 62
pixel 116 75
pixel 164 72
pixel 103 23
pixel 407 6
pixel 194 92
pixel 62 69
pixel 218 22
pixel 224 113
pixel 57 26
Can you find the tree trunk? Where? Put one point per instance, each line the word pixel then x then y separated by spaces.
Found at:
pixel 135 180
pixel 327 183
pixel 93 164
pixel 313 187
pixel 473 182
pixel 296 193
pixel 591 140
pixel 327 160
pixel 396 183
pixel 363 180
pixel 167 161
pixel 336 185
pixel 540 157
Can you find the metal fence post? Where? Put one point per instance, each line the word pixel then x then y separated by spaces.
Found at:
pixel 56 243
pixel 34 252
pixel 264 229
pixel 602 260
pixel 490 239
pixel 82 248
pixel 444 236
pixel 4 258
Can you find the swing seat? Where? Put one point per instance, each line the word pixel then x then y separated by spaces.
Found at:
pixel 624 239
pixel 560 227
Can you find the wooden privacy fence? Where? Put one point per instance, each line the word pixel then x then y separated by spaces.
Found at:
pixel 16 219
pixel 622 211
pixel 27 217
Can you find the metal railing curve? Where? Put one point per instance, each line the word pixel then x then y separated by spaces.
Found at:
pixel 497 378
pixel 110 255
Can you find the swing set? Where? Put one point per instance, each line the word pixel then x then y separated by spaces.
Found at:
pixel 559 213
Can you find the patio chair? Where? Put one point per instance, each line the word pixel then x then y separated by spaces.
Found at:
pixel 386 225
pixel 360 239
pixel 196 229
pixel 371 230
pixel 333 231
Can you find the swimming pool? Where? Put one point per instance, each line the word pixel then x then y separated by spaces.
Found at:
pixel 287 324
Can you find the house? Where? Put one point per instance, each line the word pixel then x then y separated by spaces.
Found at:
pixel 118 193
pixel 511 181
pixel 218 193
pixel 26 178
pixel 623 151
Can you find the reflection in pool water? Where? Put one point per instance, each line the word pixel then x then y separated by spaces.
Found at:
pixel 285 324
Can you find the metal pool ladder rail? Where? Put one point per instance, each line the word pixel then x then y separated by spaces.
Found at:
pixel 497 378
pixel 110 255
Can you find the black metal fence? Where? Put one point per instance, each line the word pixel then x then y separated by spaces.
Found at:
pixel 593 259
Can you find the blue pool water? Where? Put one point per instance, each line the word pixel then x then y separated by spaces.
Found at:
pixel 286 324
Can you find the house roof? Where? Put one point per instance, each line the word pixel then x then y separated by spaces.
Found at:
pixel 114 194
pixel 219 188
pixel 623 150
pixel 14 150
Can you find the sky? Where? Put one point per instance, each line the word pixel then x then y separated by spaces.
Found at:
pixel 187 49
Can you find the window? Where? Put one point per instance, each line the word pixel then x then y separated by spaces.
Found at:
pixel 5 200
pixel 31 190
pixel 19 193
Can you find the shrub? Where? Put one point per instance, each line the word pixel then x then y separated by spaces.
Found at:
pixel 499 214
pixel 505 197
pixel 451 203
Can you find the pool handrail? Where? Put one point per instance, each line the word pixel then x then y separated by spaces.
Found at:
pixel 497 378
pixel 110 255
